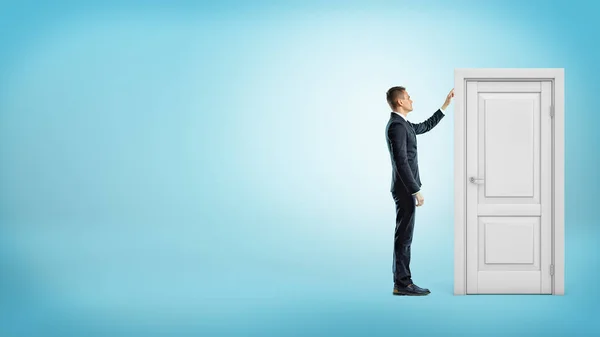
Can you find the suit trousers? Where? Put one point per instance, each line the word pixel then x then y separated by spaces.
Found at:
pixel 405 223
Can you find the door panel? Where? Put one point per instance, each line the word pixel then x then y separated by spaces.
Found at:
pixel 509 136
pixel 505 242
pixel 508 215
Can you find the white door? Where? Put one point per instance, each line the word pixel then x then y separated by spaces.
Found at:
pixel 508 162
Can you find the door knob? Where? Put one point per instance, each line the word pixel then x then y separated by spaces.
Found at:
pixel 476 180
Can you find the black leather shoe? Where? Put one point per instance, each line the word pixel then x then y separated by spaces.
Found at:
pixel 410 290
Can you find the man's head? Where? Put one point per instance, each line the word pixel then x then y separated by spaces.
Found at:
pixel 399 100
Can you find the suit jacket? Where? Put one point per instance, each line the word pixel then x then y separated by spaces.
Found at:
pixel 401 139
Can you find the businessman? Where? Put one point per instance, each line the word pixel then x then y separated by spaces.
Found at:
pixel 401 136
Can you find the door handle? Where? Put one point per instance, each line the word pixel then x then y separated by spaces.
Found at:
pixel 476 180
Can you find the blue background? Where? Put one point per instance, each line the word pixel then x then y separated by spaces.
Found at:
pixel 221 170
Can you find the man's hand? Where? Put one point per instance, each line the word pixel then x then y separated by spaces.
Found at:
pixel 420 199
pixel 448 99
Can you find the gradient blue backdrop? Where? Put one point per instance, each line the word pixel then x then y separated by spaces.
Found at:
pixel 221 170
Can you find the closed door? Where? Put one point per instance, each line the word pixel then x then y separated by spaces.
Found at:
pixel 509 191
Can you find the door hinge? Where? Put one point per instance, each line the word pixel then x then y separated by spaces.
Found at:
pixel 552 270
pixel 552 111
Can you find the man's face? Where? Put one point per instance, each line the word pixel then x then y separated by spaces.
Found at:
pixel 406 102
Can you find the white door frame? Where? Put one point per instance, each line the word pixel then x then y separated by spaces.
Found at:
pixel 461 76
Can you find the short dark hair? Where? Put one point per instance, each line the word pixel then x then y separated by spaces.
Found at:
pixel 393 94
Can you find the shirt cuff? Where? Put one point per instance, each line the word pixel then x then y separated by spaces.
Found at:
pixel 441 110
pixel 416 192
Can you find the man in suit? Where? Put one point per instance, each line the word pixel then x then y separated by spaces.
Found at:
pixel 401 136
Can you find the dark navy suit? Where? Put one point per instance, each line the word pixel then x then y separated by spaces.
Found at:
pixel 401 136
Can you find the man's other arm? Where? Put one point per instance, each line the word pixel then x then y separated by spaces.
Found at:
pixel 397 134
